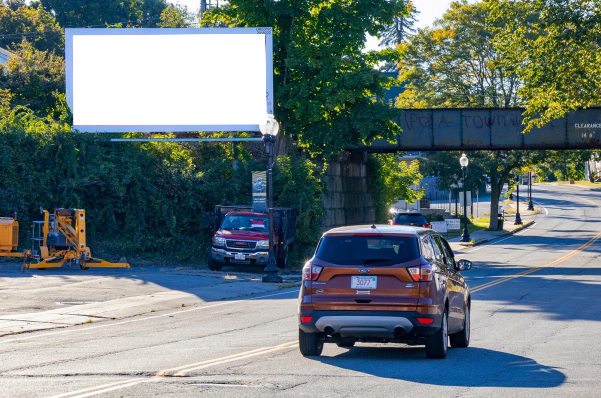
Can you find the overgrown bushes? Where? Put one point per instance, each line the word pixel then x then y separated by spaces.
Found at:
pixel 143 198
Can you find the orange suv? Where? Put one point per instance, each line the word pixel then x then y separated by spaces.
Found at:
pixel 381 284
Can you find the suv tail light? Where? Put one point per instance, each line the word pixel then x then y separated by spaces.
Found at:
pixel 422 273
pixel 311 272
pixel 426 225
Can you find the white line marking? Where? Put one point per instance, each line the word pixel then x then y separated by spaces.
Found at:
pixel 544 208
pixel 80 330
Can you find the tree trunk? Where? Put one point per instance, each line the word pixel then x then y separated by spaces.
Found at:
pixel 283 145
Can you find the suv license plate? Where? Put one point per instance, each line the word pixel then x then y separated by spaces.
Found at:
pixel 239 256
pixel 364 282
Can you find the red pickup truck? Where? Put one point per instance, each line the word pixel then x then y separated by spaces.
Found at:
pixel 241 236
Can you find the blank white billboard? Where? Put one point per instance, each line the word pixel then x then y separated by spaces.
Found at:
pixel 169 80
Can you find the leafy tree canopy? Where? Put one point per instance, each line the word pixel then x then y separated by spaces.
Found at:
pixel 35 24
pixel 557 56
pixel 176 16
pixel 454 64
pixel 34 78
pixel 324 82
pixel 85 13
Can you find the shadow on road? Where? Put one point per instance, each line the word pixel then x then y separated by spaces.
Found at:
pixel 471 367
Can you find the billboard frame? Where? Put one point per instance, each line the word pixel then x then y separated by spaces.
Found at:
pixel 269 97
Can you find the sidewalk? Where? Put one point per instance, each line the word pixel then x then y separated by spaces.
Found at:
pixel 482 236
pixel 50 299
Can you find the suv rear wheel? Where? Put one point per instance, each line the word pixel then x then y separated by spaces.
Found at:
pixel 438 343
pixel 310 344
pixel 462 339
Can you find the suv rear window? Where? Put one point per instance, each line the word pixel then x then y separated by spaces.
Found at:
pixel 367 250
pixel 408 219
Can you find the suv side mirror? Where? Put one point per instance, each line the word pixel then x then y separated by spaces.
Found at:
pixel 464 265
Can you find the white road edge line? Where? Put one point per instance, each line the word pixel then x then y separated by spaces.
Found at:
pixel 80 330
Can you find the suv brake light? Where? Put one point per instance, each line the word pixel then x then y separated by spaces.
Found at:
pixel 311 272
pixel 422 273
pixel 426 225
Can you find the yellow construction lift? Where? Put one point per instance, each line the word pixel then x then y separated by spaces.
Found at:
pixel 59 238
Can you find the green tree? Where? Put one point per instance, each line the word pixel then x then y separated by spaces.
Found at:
pixel 393 180
pixel 78 13
pixel 455 64
pixel 34 78
pixel 18 22
pixel 324 83
pixel 176 16
pixel 557 55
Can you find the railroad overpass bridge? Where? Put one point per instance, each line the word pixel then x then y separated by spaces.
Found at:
pixel 489 129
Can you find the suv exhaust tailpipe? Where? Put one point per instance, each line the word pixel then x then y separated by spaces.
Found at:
pixel 399 332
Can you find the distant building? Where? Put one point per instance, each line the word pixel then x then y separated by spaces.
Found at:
pixel 5 55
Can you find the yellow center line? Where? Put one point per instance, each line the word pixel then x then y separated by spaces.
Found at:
pixel 551 264
pixel 216 361
pixel 224 361
pixel 179 371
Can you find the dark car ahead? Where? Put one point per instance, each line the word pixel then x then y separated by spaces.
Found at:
pixel 384 284
pixel 412 218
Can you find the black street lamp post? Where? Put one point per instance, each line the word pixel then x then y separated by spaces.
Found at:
pixel 464 161
pixel 269 131
pixel 530 204
pixel 518 219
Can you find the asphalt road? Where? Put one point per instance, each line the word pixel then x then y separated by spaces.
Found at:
pixel 535 334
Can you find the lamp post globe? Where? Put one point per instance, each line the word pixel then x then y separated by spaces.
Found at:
pixel 270 129
pixel 464 161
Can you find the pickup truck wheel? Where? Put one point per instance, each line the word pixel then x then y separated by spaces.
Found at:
pixel 213 266
pixel 310 344
pixel 462 339
pixel 437 344
pixel 283 259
